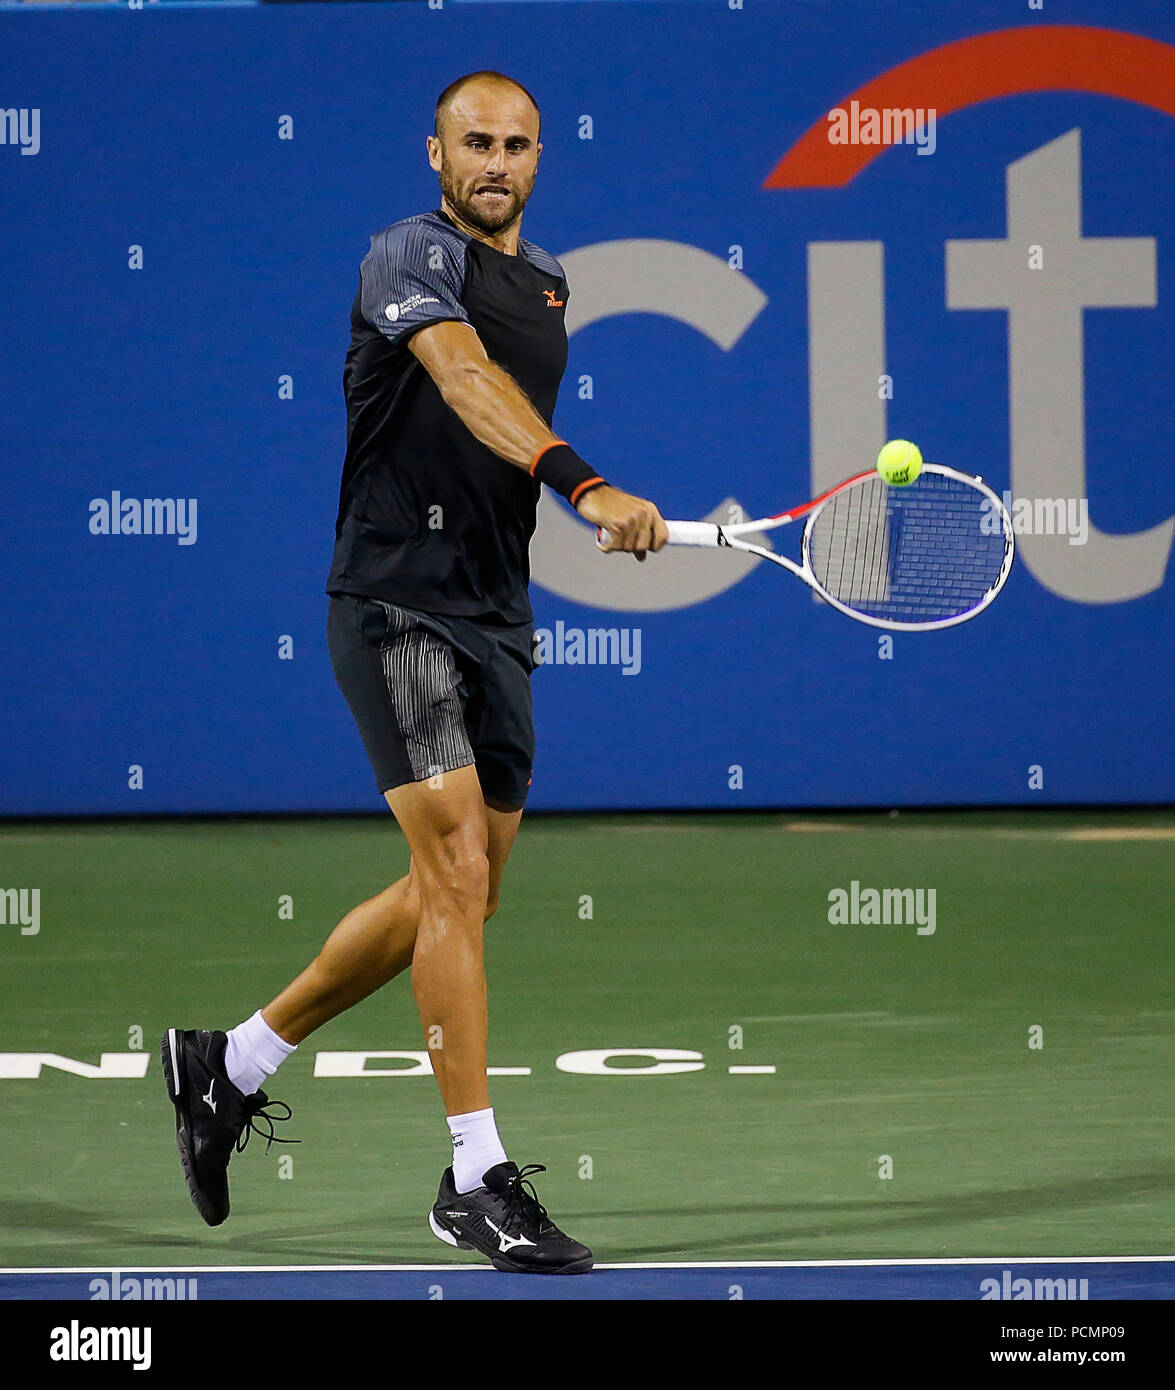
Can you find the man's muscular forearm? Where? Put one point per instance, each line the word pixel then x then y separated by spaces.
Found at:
pixel 497 412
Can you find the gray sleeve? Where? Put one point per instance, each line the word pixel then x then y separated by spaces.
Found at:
pixel 412 276
pixel 542 259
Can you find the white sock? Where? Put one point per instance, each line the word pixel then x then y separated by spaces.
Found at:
pixel 476 1147
pixel 254 1052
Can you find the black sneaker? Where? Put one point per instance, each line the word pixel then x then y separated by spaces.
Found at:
pixel 212 1116
pixel 506 1222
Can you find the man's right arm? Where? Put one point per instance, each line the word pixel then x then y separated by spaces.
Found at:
pixel 498 413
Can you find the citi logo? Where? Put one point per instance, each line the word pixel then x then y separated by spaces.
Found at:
pixel 21 126
pixel 552 302
pixel 1009 272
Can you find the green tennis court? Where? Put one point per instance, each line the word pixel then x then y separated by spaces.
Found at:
pixel 887 1042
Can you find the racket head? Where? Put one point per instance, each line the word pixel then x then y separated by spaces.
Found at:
pixel 929 555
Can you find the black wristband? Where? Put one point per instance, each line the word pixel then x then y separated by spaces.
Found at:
pixel 561 468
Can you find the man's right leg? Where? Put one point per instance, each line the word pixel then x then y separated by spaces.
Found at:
pixel 447 831
pixel 484 1201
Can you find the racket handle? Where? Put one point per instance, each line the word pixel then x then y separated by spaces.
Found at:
pixel 680 533
pixel 692 533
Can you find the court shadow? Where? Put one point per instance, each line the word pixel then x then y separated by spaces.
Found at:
pixel 347 1242
pixel 795 1223
pixel 55 1219
pixel 783 1227
pixel 762 1229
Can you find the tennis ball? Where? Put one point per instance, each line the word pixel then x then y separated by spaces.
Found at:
pixel 899 462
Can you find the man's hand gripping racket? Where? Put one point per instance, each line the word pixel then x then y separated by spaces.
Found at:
pixel 930 554
pixel 624 522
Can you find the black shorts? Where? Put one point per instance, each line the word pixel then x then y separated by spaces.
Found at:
pixel 431 694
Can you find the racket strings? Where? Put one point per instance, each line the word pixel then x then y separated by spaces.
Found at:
pixel 917 553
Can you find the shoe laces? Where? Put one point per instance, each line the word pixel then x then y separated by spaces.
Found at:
pixel 523 1200
pixel 258 1106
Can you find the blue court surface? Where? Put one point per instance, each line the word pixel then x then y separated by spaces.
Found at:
pixel 955 1280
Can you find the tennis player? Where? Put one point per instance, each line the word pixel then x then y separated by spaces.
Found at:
pixel 457 351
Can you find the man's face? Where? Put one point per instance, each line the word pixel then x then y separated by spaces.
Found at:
pixel 487 155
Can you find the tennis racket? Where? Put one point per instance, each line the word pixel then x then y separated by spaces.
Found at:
pixel 928 555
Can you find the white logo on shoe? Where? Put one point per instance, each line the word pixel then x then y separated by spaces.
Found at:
pixel 506 1242
pixel 208 1101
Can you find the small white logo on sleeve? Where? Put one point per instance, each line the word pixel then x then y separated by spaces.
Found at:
pixel 396 311
pixel 208 1101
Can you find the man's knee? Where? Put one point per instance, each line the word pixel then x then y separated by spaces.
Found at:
pixel 461 873
pixel 449 836
pixel 491 906
pixel 403 896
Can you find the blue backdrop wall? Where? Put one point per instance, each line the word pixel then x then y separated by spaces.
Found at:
pixel 177 277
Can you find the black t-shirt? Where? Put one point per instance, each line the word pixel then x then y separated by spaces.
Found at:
pixel 430 518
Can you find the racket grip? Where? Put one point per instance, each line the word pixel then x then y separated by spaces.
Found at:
pixel 680 533
pixel 692 533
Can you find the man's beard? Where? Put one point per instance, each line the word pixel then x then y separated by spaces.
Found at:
pixel 490 219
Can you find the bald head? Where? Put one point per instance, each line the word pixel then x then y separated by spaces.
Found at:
pixel 487 84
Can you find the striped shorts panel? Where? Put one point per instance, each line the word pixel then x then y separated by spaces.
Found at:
pixel 422 680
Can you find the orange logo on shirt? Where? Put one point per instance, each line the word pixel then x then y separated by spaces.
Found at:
pixel 552 302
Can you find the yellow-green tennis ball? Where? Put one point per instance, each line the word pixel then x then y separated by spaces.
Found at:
pixel 900 462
